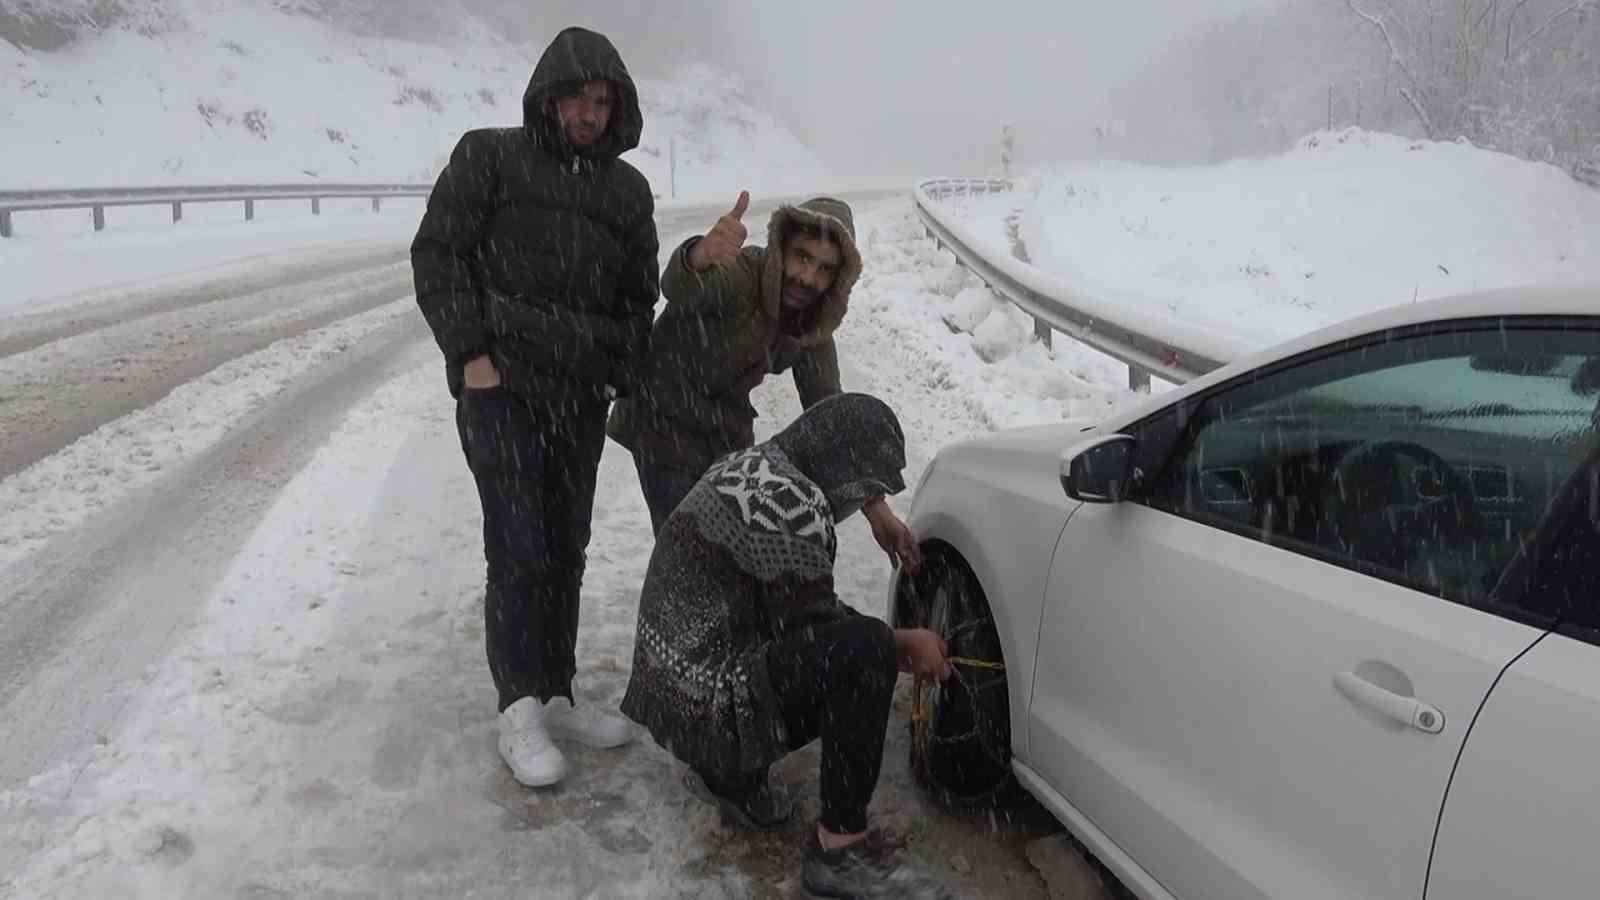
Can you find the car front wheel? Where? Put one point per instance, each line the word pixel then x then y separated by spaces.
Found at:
pixel 961 728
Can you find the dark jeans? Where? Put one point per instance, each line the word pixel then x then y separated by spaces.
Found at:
pixel 664 486
pixel 535 469
pixel 837 683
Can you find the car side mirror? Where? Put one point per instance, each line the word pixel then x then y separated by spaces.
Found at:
pixel 1097 470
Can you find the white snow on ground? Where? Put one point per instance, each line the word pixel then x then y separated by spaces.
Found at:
pixel 70 264
pixel 966 345
pixel 144 251
pixel 993 218
pixel 66 489
pixel 246 94
pixel 1345 223
pixel 328 727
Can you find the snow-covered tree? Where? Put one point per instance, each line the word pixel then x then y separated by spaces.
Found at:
pixel 1517 75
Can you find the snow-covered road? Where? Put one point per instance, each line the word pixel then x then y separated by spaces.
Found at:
pixel 241 615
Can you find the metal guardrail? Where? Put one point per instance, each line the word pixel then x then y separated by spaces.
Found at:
pixel 97 199
pixel 1149 343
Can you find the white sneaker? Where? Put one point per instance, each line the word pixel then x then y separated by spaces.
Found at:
pixel 526 746
pixel 586 724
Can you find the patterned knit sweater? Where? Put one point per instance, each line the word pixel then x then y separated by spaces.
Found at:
pixel 746 562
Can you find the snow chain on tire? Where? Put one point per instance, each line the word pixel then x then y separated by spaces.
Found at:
pixel 968 697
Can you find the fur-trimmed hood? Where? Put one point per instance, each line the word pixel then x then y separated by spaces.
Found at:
pixel 833 217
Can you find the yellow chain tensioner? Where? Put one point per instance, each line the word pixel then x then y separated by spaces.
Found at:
pixel 919 701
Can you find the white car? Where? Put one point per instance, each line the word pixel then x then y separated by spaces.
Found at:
pixel 1323 623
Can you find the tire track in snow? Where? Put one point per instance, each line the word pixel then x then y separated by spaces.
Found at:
pixel 128 554
pixel 105 308
pixel 58 392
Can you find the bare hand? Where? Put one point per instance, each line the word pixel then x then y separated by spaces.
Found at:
pixel 723 243
pixel 479 373
pixel 894 536
pixel 922 653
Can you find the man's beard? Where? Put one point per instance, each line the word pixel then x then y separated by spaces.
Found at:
pixel 797 295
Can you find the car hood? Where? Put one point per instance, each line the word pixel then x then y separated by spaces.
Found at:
pixel 1033 440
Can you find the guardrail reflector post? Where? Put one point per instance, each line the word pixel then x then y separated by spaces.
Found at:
pixel 249 210
pixel 5 223
pixel 316 206
pixel 99 218
pixel 177 211
pixel 1138 380
pixel 377 203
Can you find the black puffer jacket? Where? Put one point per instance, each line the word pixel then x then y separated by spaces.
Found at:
pixel 541 254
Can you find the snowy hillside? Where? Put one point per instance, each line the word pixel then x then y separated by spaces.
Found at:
pixel 1344 223
pixel 240 91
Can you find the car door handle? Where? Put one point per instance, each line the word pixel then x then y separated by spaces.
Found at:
pixel 1407 710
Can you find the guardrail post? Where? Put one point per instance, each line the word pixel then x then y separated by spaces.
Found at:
pixel 377 204
pixel 316 206
pixel 1138 380
pixel 177 211
pixel 249 210
pixel 99 218
pixel 5 223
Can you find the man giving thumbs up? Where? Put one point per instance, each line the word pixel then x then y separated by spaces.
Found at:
pixel 734 315
pixel 724 242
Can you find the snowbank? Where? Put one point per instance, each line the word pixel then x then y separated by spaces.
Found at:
pixel 1345 223
pixel 249 94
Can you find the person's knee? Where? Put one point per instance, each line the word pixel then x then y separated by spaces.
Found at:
pixel 870 646
pixel 538 576
pixel 520 563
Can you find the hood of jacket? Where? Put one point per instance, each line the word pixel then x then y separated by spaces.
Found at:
pixel 851 446
pixel 834 219
pixel 576 56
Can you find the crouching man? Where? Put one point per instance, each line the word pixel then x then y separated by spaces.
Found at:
pixel 745 654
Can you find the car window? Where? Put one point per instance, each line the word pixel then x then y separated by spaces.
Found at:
pixel 1556 575
pixel 1428 457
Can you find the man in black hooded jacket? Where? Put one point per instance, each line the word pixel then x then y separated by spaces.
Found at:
pixel 535 267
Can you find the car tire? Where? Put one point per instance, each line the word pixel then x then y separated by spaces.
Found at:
pixel 960 729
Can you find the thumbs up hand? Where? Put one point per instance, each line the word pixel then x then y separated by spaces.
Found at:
pixel 723 243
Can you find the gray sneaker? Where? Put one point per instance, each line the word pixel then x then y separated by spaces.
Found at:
pixel 866 870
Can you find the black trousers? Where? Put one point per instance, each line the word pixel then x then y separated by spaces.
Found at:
pixel 535 467
pixel 664 485
pixel 837 683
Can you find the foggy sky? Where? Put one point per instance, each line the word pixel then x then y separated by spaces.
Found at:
pixel 922 86
pixel 899 86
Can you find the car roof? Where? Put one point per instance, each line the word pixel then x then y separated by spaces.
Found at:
pixel 1528 300
pixel 1576 299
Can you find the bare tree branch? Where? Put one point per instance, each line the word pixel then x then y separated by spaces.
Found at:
pixel 1422 113
pixel 1511 19
pixel 1554 18
pixel 1487 9
pixel 1412 95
